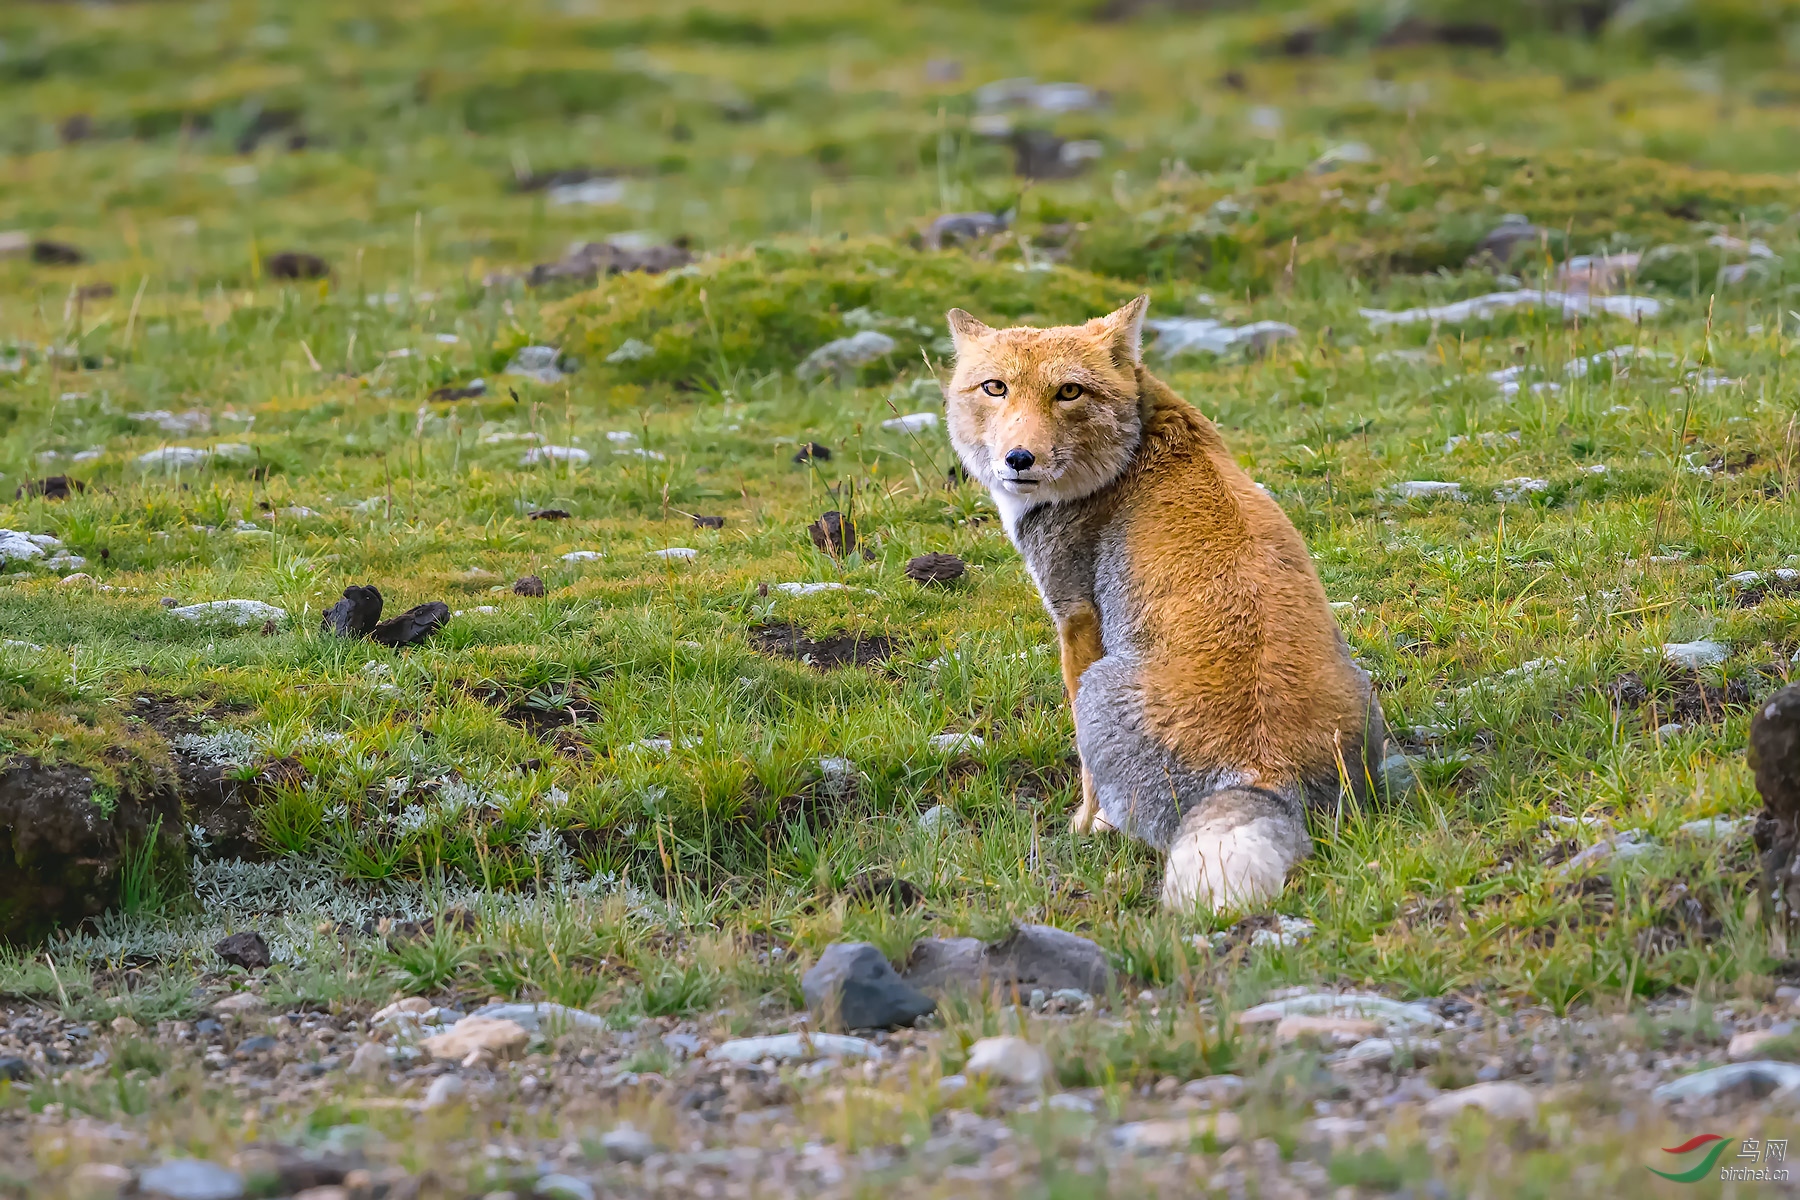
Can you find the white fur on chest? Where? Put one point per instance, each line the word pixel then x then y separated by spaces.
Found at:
pixel 1011 508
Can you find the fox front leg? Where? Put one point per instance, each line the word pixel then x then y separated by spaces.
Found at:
pixel 1079 632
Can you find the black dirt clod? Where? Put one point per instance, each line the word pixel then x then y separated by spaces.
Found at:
pixel 296 264
pixel 246 950
pixel 551 514
pixel 357 614
pixel 935 568
pixel 833 534
pixel 56 254
pixel 528 585
pixel 812 452
pixel 56 487
pixel 414 625
pixel 709 522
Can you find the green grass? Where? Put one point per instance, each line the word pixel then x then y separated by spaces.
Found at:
pixel 802 147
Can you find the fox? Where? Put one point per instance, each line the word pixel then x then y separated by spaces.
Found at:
pixel 1216 702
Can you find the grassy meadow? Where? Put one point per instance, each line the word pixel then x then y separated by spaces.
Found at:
pixel 651 800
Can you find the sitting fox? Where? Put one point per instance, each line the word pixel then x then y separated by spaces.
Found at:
pixel 1215 698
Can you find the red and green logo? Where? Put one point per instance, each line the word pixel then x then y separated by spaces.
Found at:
pixel 1701 1169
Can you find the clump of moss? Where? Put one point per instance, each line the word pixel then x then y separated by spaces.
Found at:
pixel 766 308
pixel 1381 220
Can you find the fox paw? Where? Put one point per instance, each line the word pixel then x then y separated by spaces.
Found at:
pixel 1221 866
pixel 1088 820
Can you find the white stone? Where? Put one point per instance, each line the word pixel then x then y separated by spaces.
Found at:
pixel 539 363
pixel 370 1061
pixel 1695 655
pixel 1390 1013
pixel 955 743
pixel 630 350
pixel 785 1047
pixel 844 354
pixel 1512 491
pixel 676 554
pixel 20 546
pixel 558 1186
pixel 583 556
pixel 936 818
pixel 533 1017
pixel 1572 304
pixel 1009 1060
pixel 544 454
pixel 1176 336
pixel 1765 1075
pixel 808 589
pixel 1717 829
pixel 231 612
pixel 1423 489
pixel 234 452
pixel 444 1091
pixel 1745 1046
pixel 191 1179
pixel 1214 1091
pixel 1499 1099
pixel 626 1144
pixel 239 1003
pixel 917 422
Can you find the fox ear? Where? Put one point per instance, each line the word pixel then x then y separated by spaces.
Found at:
pixel 1125 330
pixel 964 327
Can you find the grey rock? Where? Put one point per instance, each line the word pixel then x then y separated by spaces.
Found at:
pixel 1749 1080
pixel 533 1017
pixel 626 1144
pixel 245 949
pixel 191 1179
pixel 846 354
pixel 1505 239
pixel 370 1061
pixel 558 1186
pixel 444 1091
pixel 953 228
pixel 14 1068
pixel 1031 957
pixel 1695 655
pixel 853 986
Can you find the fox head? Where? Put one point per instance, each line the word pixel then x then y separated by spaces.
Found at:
pixel 1046 414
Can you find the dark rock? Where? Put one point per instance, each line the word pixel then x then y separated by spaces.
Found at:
pixel 245 949
pixel 1423 31
pixel 296 264
pixel 551 514
pixel 414 625
pixel 56 254
pixel 295 1170
pixel 528 585
pixel 812 452
pixel 709 522
pixel 953 229
pixel 592 260
pixel 1032 956
pixel 260 1044
pixel 878 887
pixel 95 291
pixel 209 1027
pixel 1504 240
pixel 853 986
pixel 356 615
pixel 833 534
pixel 76 128
pixel 1775 759
pixel 14 1068
pixel 56 487
pixel 472 391
pixel 1039 154
pixel 65 843
pixel 934 568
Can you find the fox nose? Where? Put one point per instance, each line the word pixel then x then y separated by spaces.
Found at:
pixel 1020 459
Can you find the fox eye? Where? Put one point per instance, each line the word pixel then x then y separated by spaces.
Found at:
pixel 1069 391
pixel 994 387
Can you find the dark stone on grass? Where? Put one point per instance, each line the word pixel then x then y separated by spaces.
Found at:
pixel 1038 154
pixel 56 254
pixel 296 264
pixel 246 949
pixel 260 1044
pixel 591 260
pixel 812 452
pixel 356 615
pixel 1504 240
pixel 66 843
pixel 14 1068
pixel 1775 759
pixel 1032 956
pixel 551 514
pixel 841 650
pixel 55 487
pixel 878 887
pixel 528 585
pixel 833 534
pixel 853 986
pixel 209 1027
pixel 295 1170
pixel 414 625
pixel 95 291
pixel 934 568
pixel 1424 31
pixel 470 392
pixel 953 229
pixel 709 522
